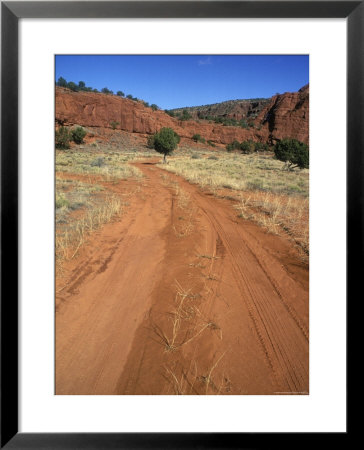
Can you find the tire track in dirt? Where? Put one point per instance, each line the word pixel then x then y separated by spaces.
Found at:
pixel 283 338
pixel 91 342
pixel 255 310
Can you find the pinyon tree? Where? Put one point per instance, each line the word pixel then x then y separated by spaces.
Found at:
pixel 165 141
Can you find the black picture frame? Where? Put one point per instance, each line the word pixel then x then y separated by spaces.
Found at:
pixel 11 12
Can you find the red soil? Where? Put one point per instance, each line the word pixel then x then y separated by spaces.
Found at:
pixel 241 326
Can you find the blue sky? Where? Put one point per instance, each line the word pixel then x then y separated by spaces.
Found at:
pixel 172 81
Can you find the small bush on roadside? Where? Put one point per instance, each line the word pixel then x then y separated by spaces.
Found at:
pixel 78 134
pixel 213 157
pixel 63 138
pixel 293 152
pixel 165 141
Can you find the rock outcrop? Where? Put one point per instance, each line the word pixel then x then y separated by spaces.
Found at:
pixel 287 115
pixel 284 115
pixel 232 109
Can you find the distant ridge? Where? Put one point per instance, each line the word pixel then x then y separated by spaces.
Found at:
pixel 246 109
pixel 232 109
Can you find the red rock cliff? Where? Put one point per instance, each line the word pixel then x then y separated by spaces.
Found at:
pixel 99 110
pixel 287 115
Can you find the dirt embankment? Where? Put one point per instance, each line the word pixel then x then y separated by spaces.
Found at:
pixel 182 297
pixel 285 116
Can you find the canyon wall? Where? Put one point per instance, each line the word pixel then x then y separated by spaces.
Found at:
pixel 284 115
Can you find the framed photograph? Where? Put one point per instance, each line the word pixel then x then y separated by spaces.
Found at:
pixel 180 221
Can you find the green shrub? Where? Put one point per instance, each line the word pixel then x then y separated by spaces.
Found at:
pixel 198 138
pixel 73 86
pixel 154 107
pixel 61 82
pixel 260 147
pixel 213 157
pixel 78 134
pixel 235 145
pixel 165 141
pixel 169 112
pixel 120 94
pixel 195 156
pixel 247 146
pixel 150 141
pixel 185 115
pixel 105 90
pixel 63 138
pixel 211 144
pixel 114 124
pixel 293 152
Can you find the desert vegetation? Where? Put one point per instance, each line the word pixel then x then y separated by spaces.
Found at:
pixel 64 136
pixel 248 146
pixel 85 198
pixel 81 87
pixel 262 190
pixel 292 152
pixel 165 142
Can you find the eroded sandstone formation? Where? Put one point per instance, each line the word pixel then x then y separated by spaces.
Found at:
pixel 285 115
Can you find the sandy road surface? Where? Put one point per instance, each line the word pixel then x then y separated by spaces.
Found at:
pixel 182 297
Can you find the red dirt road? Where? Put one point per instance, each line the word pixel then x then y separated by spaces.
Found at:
pixel 180 296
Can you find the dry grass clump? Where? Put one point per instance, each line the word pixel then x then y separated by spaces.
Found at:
pixel 240 172
pixel 266 193
pixel 70 239
pixel 278 212
pixel 83 207
pixel 110 165
pixel 198 379
pixel 181 331
pixel 185 224
pixel 80 209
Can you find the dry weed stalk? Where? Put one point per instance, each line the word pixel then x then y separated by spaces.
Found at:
pixel 172 341
pixel 208 378
pixel 73 238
